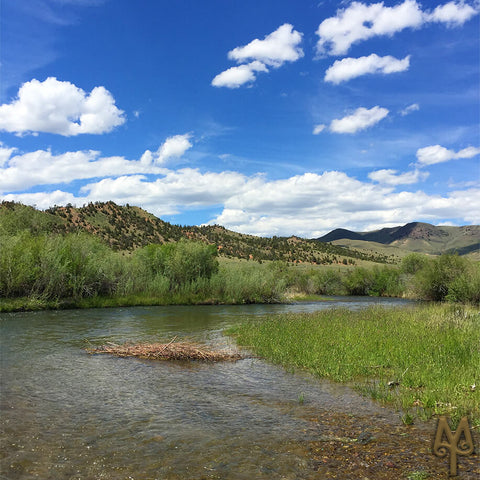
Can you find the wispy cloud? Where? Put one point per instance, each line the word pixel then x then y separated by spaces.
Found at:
pixel 29 31
pixel 410 109
pixel 318 129
pixel 393 177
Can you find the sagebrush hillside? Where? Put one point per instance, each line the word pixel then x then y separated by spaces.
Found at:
pixel 128 228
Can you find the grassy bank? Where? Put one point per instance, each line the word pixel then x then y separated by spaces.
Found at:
pixel 422 360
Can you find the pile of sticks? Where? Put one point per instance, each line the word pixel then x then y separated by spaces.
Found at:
pixel 166 351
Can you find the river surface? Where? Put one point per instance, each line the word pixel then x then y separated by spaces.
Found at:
pixel 66 414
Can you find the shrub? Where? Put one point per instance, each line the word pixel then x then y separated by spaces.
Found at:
pixel 181 262
pixel 386 282
pixel 441 277
pixel 359 281
pixel 55 266
pixel 413 262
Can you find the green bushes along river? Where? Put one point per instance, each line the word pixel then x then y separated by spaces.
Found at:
pixel 60 270
pixel 43 268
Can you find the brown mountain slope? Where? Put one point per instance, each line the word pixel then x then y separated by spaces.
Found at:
pixel 128 228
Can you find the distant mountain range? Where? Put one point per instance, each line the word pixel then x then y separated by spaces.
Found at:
pixel 415 237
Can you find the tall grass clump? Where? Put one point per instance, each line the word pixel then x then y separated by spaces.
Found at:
pixel 423 360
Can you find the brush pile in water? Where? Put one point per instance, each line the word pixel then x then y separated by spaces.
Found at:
pixel 166 351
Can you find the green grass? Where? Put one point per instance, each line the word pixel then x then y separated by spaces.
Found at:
pixel 421 360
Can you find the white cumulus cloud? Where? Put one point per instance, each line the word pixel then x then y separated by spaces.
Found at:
pixel 275 49
pixel 437 154
pixel 280 46
pixel 54 106
pixel 173 147
pixel 42 167
pixel 348 68
pixel 309 205
pixel 361 119
pixel 235 77
pixel 359 22
pixel 452 13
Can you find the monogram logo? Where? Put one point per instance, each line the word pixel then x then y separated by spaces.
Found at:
pixel 458 443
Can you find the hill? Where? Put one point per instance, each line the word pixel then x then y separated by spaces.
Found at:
pixel 127 227
pixel 412 237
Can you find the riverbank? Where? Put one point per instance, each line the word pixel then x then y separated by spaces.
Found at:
pixel 32 304
pixel 424 360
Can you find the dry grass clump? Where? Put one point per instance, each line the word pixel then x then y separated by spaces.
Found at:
pixel 166 351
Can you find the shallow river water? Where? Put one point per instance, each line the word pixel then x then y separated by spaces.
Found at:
pixel 66 414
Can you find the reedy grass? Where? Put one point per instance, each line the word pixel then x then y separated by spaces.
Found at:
pixel 423 360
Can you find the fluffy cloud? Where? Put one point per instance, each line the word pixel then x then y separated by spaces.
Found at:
pixel 274 50
pixel 311 205
pixel 348 68
pixel 392 177
pixel 452 13
pixel 360 22
pixel 438 154
pixel 361 119
pixel 23 171
pixel 44 200
pixel 53 106
pixel 237 76
pixel 175 190
pixel 173 147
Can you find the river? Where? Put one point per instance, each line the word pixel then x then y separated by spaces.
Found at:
pixel 66 414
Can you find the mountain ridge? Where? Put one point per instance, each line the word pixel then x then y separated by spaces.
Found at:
pixel 414 236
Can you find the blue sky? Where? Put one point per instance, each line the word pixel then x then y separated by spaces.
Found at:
pixel 269 117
